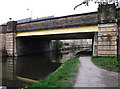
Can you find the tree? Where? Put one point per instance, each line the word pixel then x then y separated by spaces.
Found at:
pixel 86 2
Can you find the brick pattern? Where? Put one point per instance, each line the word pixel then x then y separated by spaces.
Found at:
pixel 65 21
pixel 119 43
pixel 2 41
pixel 107 34
pixel 10 43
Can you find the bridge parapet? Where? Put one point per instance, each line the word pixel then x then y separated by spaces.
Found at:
pixel 60 22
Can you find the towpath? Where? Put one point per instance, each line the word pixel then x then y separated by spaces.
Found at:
pixel 90 75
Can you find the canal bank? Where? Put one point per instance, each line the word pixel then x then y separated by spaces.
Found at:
pixel 62 77
pixel 17 70
pixel 26 70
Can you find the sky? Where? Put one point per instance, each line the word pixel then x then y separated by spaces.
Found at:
pixel 17 9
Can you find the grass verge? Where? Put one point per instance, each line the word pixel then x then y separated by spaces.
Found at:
pixel 108 63
pixel 61 78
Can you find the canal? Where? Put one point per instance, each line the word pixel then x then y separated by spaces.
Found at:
pixel 19 71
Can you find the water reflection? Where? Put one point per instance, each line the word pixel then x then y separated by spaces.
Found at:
pixel 32 67
pixel 35 67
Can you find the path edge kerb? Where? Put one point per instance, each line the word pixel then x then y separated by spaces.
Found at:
pixel 74 79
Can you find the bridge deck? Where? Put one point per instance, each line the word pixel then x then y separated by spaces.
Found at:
pixel 81 29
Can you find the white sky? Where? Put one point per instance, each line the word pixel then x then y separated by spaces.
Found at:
pixel 17 9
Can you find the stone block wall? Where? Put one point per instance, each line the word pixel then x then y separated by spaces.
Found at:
pixel 95 44
pixel 107 35
pixel 119 41
pixel 10 45
pixel 2 37
pixel 60 22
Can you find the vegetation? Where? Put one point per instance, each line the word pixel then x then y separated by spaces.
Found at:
pixel 60 78
pixel 101 2
pixel 66 44
pixel 108 63
pixel 58 45
pixel 73 45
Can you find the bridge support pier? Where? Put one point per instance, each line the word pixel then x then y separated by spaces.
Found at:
pixel 107 30
pixel 2 39
pixel 10 45
pixel 107 43
pixel 95 44
pixel 118 41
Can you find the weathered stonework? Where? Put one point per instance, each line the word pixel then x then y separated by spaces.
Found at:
pixel 9 44
pixel 60 22
pixel 95 44
pixel 119 40
pixel 107 34
pixel 118 13
pixel 107 13
pixel 10 38
pixel 2 37
pixel 2 40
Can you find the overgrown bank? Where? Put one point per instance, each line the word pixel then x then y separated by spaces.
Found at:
pixel 61 78
pixel 108 63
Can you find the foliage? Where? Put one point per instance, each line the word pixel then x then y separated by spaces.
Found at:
pixel 61 78
pixel 58 44
pixel 73 46
pixel 101 7
pixel 100 2
pixel 108 63
pixel 66 44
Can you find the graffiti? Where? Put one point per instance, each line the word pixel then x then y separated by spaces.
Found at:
pixel 106 37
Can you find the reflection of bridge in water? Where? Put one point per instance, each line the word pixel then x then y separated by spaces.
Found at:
pixel 29 69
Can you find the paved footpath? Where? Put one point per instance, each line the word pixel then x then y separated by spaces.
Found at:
pixel 90 75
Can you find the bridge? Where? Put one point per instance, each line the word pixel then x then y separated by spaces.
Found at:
pixel 35 36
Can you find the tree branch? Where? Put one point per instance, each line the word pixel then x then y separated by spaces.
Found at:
pixel 79 5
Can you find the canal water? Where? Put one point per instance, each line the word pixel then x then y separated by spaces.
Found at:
pixel 16 70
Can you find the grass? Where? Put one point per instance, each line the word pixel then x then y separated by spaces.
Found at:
pixel 108 63
pixel 61 78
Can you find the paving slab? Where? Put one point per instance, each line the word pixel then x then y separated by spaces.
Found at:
pixel 90 75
